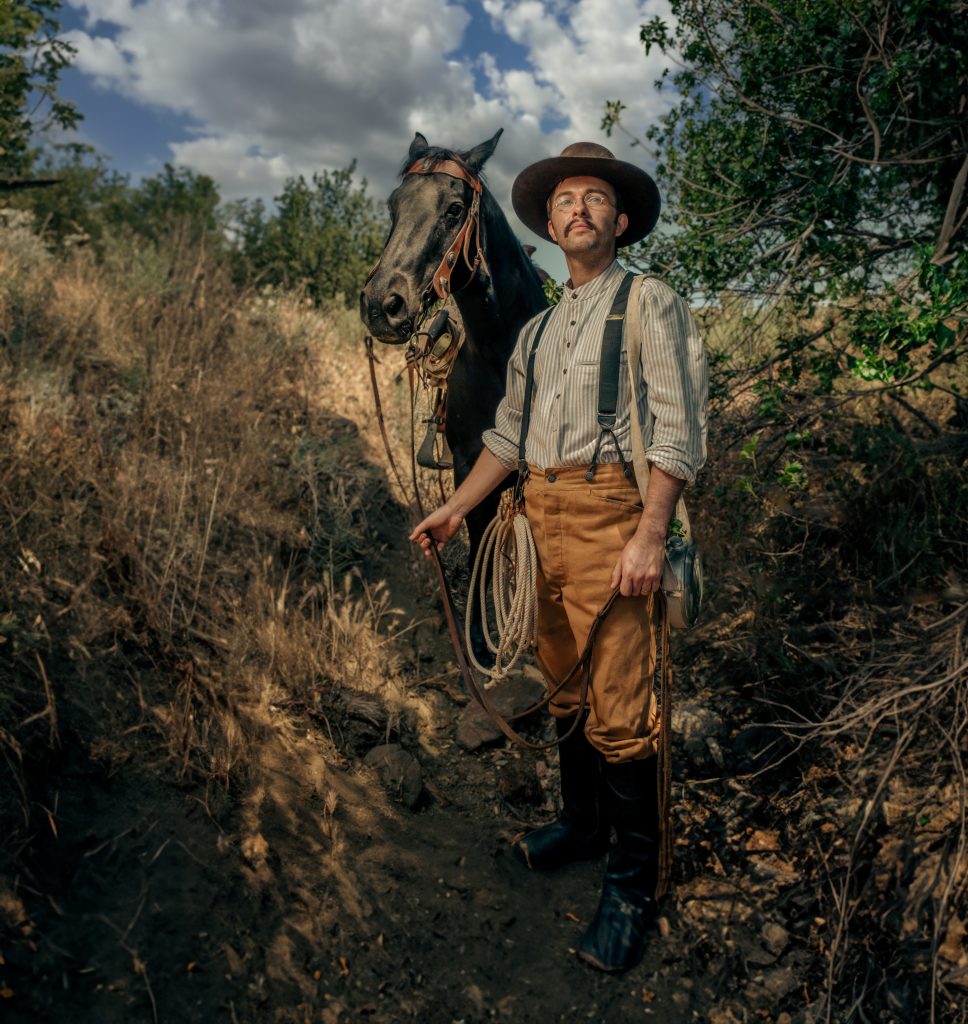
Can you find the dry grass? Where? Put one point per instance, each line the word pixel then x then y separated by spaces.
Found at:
pixel 181 513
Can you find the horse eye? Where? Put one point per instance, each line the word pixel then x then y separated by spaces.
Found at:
pixel 455 210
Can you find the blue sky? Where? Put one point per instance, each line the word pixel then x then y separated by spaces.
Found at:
pixel 252 93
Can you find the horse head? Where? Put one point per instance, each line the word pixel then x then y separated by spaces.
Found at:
pixel 435 245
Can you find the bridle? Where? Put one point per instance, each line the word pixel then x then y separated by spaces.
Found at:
pixel 468 238
pixel 434 362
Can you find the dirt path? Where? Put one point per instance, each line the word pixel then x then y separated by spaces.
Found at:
pixel 310 894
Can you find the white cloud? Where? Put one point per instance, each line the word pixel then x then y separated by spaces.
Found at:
pixel 303 85
pixel 100 57
pixel 587 53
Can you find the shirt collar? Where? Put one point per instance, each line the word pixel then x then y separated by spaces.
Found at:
pixel 596 286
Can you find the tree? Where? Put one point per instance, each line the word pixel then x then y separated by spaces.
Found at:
pixel 32 57
pixel 92 201
pixel 818 159
pixel 324 235
pixel 89 198
pixel 176 200
pixel 815 169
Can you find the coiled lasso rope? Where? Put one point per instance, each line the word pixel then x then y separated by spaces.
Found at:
pixel 508 560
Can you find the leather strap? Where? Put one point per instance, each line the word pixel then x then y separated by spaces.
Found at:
pixel 664 781
pixel 639 459
pixel 469 235
pixel 608 367
pixel 528 388
pixel 426 165
pixel 372 360
pixel 611 355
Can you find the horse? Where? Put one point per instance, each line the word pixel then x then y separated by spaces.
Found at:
pixel 430 252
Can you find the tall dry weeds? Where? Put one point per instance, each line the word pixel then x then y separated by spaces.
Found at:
pixel 180 513
pixel 186 502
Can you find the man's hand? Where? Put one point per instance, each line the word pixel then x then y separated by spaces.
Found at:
pixel 437 528
pixel 440 526
pixel 639 567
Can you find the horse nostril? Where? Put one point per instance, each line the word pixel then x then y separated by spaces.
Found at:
pixel 393 305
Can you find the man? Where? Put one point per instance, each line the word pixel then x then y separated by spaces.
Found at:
pixel 591 532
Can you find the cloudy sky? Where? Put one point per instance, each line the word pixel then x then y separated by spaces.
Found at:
pixel 251 93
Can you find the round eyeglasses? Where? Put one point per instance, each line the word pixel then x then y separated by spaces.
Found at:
pixel 593 200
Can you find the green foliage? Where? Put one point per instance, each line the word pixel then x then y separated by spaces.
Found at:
pixel 94 203
pixel 793 477
pixel 553 291
pixel 925 319
pixel 89 198
pixel 818 154
pixel 324 236
pixel 32 57
pixel 176 200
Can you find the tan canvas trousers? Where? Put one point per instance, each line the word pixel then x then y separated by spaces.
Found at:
pixel 579 529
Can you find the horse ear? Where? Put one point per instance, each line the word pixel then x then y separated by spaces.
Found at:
pixel 477 157
pixel 418 147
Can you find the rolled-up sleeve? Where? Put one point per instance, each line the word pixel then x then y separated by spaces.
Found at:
pixel 677 382
pixel 502 439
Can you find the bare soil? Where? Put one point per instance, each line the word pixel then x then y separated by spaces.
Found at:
pixel 308 893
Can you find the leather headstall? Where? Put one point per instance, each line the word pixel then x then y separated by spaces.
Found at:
pixel 469 236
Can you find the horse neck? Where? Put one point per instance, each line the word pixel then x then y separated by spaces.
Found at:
pixel 494 306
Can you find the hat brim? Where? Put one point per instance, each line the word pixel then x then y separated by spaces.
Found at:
pixel 640 194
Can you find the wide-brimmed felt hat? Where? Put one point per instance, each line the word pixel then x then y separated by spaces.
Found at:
pixel 639 193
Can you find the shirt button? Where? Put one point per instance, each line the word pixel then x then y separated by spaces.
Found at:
pixel 565 370
pixel 552 478
pixel 574 322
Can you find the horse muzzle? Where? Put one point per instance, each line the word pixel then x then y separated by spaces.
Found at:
pixel 388 314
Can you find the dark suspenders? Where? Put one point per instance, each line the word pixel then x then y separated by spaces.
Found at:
pixel 608 372
pixel 608 381
pixel 528 389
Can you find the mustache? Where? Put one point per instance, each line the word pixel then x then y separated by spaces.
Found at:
pixel 581 220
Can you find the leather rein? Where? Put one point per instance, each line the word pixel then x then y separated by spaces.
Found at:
pixel 474 689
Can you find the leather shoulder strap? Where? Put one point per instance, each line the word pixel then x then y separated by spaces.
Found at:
pixel 633 323
pixel 529 388
pixel 611 355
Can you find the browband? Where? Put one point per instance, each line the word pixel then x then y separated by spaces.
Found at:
pixel 456 170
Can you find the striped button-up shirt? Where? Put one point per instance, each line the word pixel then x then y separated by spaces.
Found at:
pixel 564 427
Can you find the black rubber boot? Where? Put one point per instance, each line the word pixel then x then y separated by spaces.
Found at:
pixel 615 939
pixel 581 832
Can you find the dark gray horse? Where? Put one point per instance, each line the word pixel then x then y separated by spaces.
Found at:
pixel 432 213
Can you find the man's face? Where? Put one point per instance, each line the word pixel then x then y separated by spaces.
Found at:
pixel 580 226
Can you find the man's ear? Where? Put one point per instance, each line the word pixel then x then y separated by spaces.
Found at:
pixel 621 223
pixel 551 231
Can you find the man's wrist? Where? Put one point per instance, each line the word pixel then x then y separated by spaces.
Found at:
pixel 651 531
pixel 455 508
